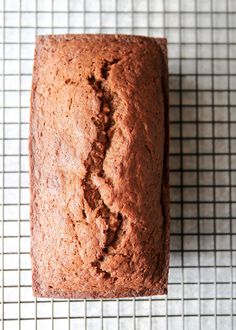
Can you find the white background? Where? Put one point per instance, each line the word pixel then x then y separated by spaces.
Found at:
pixel 202 63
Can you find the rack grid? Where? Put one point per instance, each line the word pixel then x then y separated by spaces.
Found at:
pixel 202 64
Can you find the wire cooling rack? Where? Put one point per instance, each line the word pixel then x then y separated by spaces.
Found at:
pixel 202 61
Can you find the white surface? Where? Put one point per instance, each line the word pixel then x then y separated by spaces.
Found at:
pixel 202 283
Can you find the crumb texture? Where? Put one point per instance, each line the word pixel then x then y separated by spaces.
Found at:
pixel 99 166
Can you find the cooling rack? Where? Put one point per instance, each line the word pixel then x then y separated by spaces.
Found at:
pixel 202 63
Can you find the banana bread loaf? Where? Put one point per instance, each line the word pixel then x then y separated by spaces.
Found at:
pixel 99 166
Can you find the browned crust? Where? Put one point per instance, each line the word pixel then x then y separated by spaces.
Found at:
pixel 165 185
pixel 126 38
pixel 161 287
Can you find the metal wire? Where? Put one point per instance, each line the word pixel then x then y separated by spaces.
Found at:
pixel 213 168
pixel 197 174
pixel 3 178
pixel 229 164
pixel 202 62
pixel 19 181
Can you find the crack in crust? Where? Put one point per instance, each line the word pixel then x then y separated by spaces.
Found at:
pixel 94 165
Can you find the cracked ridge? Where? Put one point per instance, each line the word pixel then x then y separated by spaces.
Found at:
pixel 94 164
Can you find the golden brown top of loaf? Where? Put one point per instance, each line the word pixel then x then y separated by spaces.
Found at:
pixel 98 148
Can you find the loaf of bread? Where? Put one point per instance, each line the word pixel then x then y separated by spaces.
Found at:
pixel 99 166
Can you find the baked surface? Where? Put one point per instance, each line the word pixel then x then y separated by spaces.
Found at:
pixel 99 166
